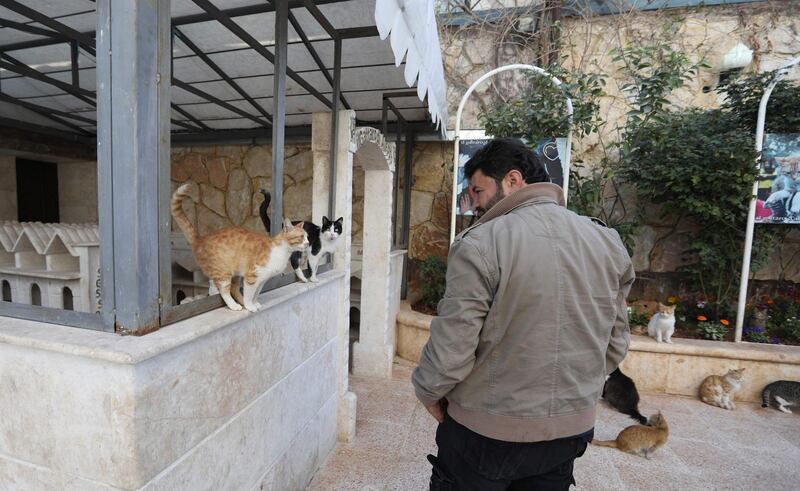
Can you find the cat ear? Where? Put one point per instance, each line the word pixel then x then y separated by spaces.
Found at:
pixel 325 221
pixel 287 224
pixel 299 226
pixel 340 220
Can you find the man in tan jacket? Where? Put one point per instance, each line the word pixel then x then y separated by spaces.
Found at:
pixel 533 319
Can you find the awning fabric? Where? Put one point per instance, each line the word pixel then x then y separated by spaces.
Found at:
pixel 412 25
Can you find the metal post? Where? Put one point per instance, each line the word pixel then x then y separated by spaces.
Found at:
pixel 133 155
pixel 73 52
pixel 751 213
pixel 279 113
pixel 337 79
pixel 407 206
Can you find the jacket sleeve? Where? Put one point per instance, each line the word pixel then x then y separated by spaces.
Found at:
pixel 449 355
pixel 620 333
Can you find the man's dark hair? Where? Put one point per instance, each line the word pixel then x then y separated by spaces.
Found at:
pixel 502 155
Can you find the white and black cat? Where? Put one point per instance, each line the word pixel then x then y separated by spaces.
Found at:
pixel 321 240
pixel 620 392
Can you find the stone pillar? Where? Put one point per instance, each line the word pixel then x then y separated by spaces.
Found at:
pixel 320 146
pixel 373 353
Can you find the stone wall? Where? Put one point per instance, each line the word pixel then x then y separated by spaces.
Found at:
pixel 225 183
pixel 8 188
pixel 77 192
pixel 223 400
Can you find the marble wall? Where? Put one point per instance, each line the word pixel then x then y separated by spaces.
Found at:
pixel 219 401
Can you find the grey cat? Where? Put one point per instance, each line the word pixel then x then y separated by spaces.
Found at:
pixel 783 393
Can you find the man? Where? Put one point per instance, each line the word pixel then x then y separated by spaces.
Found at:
pixel 532 321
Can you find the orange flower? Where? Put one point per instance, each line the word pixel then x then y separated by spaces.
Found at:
pixel 724 322
pixel 770 301
pixel 701 318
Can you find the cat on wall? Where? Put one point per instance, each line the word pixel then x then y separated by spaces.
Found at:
pixel 783 393
pixel 231 254
pixel 662 324
pixel 719 390
pixel 639 439
pixel 321 240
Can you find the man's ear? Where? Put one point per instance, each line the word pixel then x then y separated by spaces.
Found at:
pixel 514 178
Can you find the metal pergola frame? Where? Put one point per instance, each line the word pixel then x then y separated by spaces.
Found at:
pixel 144 277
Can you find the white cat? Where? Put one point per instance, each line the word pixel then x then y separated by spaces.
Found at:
pixel 662 324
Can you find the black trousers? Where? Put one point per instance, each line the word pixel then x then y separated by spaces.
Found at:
pixel 468 461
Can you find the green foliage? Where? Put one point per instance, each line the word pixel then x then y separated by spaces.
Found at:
pixel 712 330
pixel 541 112
pixel 696 165
pixel 743 96
pixel 432 273
pixel 637 318
pixel 653 72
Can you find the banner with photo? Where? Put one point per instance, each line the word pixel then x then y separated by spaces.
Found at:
pixel 778 199
pixel 549 151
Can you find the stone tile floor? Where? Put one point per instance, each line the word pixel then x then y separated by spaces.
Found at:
pixel 709 448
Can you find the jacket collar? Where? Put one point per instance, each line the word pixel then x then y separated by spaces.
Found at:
pixel 531 193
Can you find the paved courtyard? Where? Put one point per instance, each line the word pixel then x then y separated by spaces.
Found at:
pixel 750 448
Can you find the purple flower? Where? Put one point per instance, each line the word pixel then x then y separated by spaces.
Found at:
pixel 775 340
pixel 701 304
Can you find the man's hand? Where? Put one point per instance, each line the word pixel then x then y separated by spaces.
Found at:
pixel 438 410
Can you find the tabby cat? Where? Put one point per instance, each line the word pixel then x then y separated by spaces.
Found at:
pixel 662 324
pixel 783 393
pixel 719 390
pixel 639 439
pixel 620 392
pixel 230 254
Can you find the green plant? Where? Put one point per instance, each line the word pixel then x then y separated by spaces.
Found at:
pixel 791 328
pixel 712 330
pixel 432 274
pixel 541 111
pixel 637 318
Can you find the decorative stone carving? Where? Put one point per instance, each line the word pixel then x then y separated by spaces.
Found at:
pixel 366 134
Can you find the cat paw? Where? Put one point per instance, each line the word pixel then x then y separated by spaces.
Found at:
pixel 235 307
pixel 303 279
pixel 314 279
pixel 253 307
pixel 669 341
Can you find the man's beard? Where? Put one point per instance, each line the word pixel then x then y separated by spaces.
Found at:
pixel 495 199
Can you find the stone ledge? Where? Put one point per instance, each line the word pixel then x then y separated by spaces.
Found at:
pixel 676 368
pixel 720 349
pixel 131 349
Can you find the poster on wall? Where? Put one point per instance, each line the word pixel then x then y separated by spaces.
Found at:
pixel 778 199
pixel 549 151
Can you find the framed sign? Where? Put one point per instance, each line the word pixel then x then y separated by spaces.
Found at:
pixel 549 151
pixel 778 197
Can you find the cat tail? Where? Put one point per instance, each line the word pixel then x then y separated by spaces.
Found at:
pixel 262 210
pixel 605 443
pixel 180 216
pixel 635 414
pixel 765 396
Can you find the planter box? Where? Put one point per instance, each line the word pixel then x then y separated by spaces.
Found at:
pixel 677 368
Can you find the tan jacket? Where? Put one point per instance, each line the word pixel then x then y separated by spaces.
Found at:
pixel 533 318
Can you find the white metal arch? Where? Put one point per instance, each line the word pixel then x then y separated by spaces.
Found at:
pixel 751 217
pixel 457 139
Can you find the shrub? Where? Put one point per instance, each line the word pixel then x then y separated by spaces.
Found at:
pixel 432 273
pixel 712 330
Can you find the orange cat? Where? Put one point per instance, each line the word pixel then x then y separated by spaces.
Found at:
pixel 719 390
pixel 232 253
pixel 639 439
